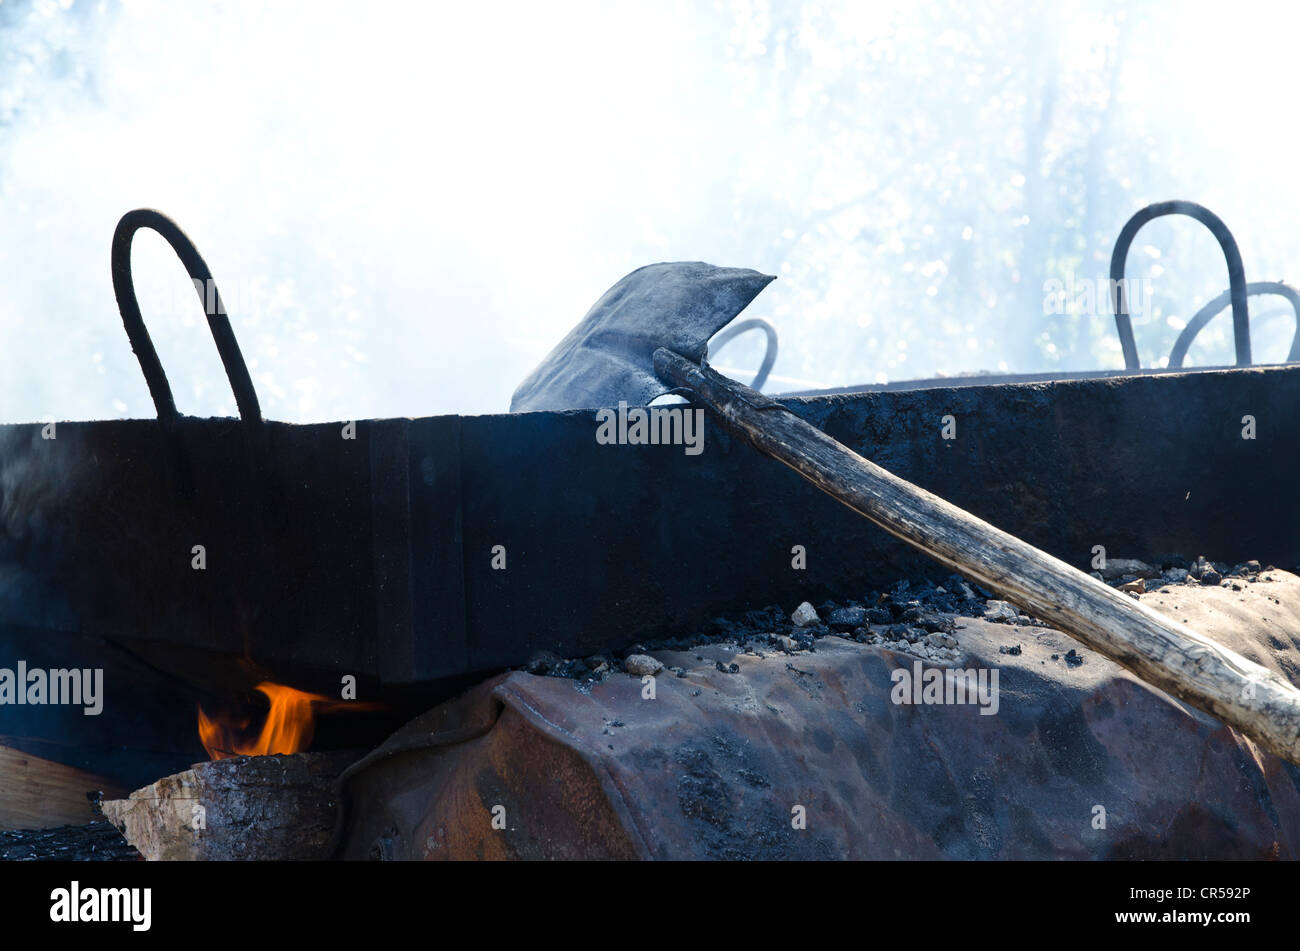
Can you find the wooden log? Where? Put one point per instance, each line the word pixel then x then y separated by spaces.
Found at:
pixel 1165 654
pixel 37 793
pixel 241 808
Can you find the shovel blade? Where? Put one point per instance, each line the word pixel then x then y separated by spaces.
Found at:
pixel 609 356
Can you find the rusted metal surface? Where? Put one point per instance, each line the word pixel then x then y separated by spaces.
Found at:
pixel 1080 760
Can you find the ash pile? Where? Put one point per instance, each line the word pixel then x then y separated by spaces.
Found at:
pixel 916 616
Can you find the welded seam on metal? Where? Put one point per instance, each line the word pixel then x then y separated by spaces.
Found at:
pixel 1236 275
pixel 218 322
pixel 1210 310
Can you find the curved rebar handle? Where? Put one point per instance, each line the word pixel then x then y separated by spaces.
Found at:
pixel 727 334
pixel 218 322
pixel 1236 275
pixel 1210 310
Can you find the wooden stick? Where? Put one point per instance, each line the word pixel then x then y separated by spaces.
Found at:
pixel 1165 654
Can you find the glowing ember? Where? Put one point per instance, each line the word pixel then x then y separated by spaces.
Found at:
pixel 288 727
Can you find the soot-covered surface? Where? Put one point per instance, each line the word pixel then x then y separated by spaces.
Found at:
pixel 1075 757
pixel 95 841
pixel 374 554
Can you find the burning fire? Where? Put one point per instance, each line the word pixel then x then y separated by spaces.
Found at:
pixel 288 727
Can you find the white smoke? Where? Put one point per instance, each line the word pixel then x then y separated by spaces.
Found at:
pixel 407 205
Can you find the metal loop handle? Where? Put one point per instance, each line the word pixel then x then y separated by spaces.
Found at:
pixel 1236 275
pixel 1212 309
pixel 727 334
pixel 218 322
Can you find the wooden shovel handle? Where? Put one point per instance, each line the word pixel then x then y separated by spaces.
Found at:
pixel 1166 655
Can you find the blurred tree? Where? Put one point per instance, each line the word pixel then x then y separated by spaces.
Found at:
pixel 941 164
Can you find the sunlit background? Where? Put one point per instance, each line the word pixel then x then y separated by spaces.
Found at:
pixel 407 205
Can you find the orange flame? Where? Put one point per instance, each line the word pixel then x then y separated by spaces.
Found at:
pixel 288 728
